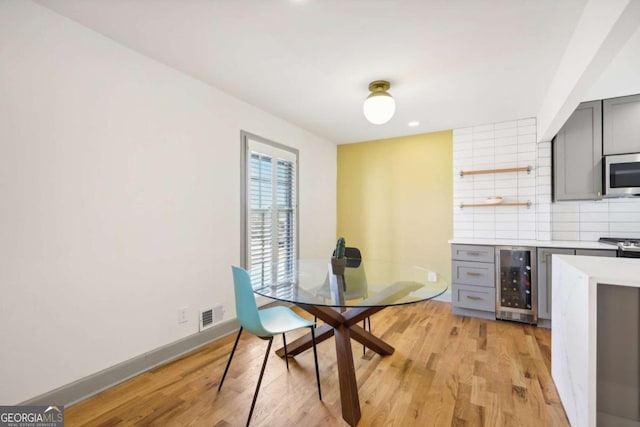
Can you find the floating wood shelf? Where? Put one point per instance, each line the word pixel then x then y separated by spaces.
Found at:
pixel 526 169
pixel 493 205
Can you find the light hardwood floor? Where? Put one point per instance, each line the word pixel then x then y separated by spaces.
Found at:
pixel 446 371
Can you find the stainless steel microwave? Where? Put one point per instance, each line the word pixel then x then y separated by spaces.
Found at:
pixel 622 175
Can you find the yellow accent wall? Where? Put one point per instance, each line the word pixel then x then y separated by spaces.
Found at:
pixel 395 199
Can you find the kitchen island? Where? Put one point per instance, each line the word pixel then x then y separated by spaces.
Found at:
pixel 595 339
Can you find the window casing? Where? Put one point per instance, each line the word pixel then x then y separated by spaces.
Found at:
pixel 270 211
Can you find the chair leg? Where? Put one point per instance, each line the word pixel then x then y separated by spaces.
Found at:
pixel 255 395
pixel 364 324
pixel 315 358
pixel 230 357
pixel 364 347
pixel 286 355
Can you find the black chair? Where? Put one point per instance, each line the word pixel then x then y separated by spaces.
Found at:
pixel 355 280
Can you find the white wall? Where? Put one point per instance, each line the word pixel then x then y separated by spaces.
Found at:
pixel 119 184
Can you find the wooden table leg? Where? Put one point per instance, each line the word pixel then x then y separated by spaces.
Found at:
pixel 343 327
pixel 370 341
pixel 304 342
pixel 349 398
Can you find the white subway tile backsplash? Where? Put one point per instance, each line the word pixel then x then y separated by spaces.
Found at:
pixel 624 216
pixel 484 185
pixel 590 236
pixel 631 227
pixel 566 207
pixel 500 145
pixel 625 205
pixel 506 158
pixel 544 235
pixel 526 158
pixel 501 133
pixel 544 161
pixel 625 234
pixel 562 217
pixel 482 128
pixel 526 192
pixel 509 144
pixel 527 142
pixel 565 226
pixel 483 135
pixel 462 131
pixel 465 226
pixel 506 125
pixel 527 180
pixel 506 234
pixel 595 206
pixel 527 226
pixel 462 146
pixel 514 143
pixel 527 234
pixel 586 217
pixel 462 234
pixel 544 181
pixel 543 207
pixel 526 130
pixel 566 235
pixel 601 227
pixel 544 226
pixel 484 234
pixel 527 122
pixel 543 216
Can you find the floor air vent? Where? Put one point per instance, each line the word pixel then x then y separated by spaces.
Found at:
pixel 210 316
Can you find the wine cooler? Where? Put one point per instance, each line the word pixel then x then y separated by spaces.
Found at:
pixel 517 284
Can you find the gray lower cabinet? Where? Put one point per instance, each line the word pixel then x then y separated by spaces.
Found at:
pixel 473 279
pixel 577 155
pixel 544 278
pixel 621 125
pixel 596 252
pixel 544 273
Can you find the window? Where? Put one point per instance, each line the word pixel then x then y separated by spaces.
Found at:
pixel 270 223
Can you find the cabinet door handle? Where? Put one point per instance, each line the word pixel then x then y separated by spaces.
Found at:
pixel 473 253
pixel 471 273
pixel 473 298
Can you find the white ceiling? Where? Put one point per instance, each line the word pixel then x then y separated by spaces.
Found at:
pixel 451 63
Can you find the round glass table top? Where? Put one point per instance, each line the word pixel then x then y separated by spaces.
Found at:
pixel 364 283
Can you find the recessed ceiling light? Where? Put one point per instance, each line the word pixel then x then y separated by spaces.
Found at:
pixel 414 123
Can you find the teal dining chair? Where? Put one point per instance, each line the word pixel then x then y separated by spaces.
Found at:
pixel 265 324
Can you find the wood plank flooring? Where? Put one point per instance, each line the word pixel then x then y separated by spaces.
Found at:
pixel 446 371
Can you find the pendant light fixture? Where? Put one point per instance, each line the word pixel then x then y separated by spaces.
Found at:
pixel 379 106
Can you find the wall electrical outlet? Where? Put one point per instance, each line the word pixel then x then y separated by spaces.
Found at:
pixel 432 276
pixel 182 315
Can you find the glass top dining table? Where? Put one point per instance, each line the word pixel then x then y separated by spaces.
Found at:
pixel 365 283
pixel 344 296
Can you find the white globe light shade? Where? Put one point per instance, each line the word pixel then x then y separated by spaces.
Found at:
pixel 378 108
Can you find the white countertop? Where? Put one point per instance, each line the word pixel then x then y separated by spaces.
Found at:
pixel 537 243
pixel 574 329
pixel 604 270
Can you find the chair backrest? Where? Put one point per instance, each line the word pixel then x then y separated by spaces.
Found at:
pixel 355 278
pixel 354 257
pixel 246 307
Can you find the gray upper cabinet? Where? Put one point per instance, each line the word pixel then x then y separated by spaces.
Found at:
pixel 577 154
pixel 621 125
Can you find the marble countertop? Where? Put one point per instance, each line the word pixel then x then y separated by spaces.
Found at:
pixel 574 332
pixel 610 271
pixel 537 243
